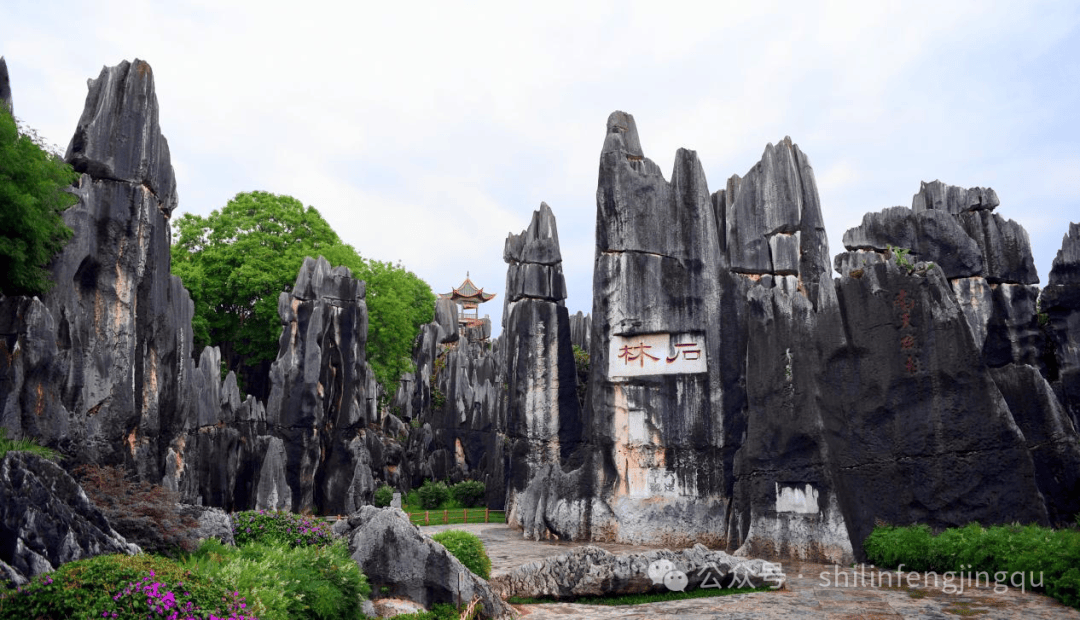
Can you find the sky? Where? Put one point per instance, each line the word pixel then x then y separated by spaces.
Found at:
pixel 426 132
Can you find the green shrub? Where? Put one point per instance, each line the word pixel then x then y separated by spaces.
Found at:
pixel 1040 554
pixel 384 495
pixel 433 494
pixel 468 549
pixel 317 582
pixel 24 445
pixel 282 527
pixel 468 493
pixel 892 546
pixel 123 587
pixel 438 399
pixel 438 611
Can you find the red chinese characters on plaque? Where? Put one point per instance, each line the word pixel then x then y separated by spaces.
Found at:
pixel 656 354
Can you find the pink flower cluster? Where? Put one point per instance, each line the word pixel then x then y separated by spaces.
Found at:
pixel 161 601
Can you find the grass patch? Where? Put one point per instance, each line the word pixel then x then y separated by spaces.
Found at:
pixel 24 445
pixel 639 599
pixel 1029 556
pixel 453 516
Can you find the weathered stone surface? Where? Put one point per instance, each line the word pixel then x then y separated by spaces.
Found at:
pixel 117 137
pixel 1050 436
pixel 952 199
pixel 786 499
pixel 5 87
pixel 212 522
pixel 776 197
pixel 1066 266
pixel 454 398
pixel 1060 301
pixel 650 468
pixel 395 555
pixel 317 398
pixel 47 520
pixel 592 571
pixel 930 235
pixel 908 400
pixel 854 262
pixel 1004 245
pixel 539 244
pixel 581 330
pixel 542 410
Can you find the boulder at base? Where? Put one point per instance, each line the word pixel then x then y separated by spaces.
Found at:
pixel 395 555
pixel 592 571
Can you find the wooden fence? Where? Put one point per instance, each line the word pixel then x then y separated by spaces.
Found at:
pixel 448 517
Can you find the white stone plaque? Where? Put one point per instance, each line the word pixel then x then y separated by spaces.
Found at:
pixel 796 498
pixel 656 354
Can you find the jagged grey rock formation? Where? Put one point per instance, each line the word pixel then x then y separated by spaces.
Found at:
pixel 212 522
pixel 101 366
pixel 393 554
pixel 581 330
pixel 999 303
pixel 917 388
pixel 952 199
pixel 542 411
pixel 5 87
pixel 454 399
pixel 318 402
pixel 1060 301
pixel 47 520
pixel 592 571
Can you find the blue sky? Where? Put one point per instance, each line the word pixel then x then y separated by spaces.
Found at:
pixel 425 132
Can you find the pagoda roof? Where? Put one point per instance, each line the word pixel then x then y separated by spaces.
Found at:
pixel 468 291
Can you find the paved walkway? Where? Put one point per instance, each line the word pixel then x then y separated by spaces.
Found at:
pixel 813 591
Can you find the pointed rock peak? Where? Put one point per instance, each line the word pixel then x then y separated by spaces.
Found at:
pixel 622 135
pixel 1066 268
pixel 5 87
pixel 118 137
pixel 952 199
pixel 539 244
pixel 542 225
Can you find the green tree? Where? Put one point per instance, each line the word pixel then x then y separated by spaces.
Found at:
pixel 237 260
pixel 32 198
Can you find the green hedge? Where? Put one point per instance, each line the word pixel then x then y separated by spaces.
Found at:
pixel 468 549
pixel 1029 556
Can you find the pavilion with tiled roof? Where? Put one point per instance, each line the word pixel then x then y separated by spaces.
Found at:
pixel 470 297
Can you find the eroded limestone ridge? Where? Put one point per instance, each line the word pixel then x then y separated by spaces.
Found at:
pixel 740 397
pixel 104 369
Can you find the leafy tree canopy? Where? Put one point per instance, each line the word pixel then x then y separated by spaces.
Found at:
pixel 236 261
pixel 32 197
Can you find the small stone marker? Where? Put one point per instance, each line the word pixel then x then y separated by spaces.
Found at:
pixel 396 502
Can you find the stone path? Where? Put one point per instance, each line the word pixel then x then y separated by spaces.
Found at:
pixel 813 591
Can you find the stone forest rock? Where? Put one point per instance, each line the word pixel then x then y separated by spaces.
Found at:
pixel 543 417
pixel 581 330
pixel 1060 303
pixel 395 555
pixel 736 395
pixel 5 87
pixel 592 571
pixel 810 408
pixel 317 400
pixel 47 520
pixel 455 401
pixel 103 366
